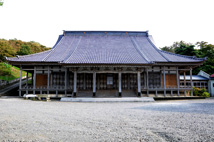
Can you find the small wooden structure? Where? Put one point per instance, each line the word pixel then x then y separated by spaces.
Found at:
pixel 199 81
pixel 94 61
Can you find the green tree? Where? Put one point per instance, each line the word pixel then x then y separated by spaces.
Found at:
pixel 186 50
pixel 201 44
pixel 175 46
pixel 25 50
pixel 5 50
pixel 168 49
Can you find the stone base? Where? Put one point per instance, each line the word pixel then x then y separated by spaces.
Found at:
pixel 74 94
pixel 120 94
pixel 124 99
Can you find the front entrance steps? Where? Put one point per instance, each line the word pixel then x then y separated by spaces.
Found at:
pixel 106 93
pixel 102 100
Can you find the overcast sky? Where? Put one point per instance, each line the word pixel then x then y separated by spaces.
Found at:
pixel 167 20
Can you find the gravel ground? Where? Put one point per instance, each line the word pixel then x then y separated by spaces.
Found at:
pixel 183 120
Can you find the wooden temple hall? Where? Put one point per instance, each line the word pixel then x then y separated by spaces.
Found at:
pixel 106 64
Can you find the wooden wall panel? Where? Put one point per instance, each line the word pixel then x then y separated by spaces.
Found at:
pixel 171 81
pixel 41 80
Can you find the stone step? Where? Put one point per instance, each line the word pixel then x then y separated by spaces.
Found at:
pixel 123 99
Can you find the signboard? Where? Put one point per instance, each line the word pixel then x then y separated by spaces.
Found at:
pixel 109 80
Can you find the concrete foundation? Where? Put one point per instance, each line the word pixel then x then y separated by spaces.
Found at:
pixel 123 99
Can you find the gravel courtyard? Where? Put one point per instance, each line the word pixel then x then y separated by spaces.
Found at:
pixel 184 120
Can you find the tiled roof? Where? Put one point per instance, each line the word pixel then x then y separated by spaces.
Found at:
pixel 32 57
pixel 194 77
pixel 78 47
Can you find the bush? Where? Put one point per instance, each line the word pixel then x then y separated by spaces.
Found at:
pixel 206 94
pixel 196 91
pixel 200 92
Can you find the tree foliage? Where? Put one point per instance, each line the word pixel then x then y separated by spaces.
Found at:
pixel 6 50
pixel 24 50
pixel 13 47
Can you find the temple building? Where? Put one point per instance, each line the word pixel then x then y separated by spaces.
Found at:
pixel 106 64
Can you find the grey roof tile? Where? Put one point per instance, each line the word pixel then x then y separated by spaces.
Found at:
pixel 105 49
pixel 78 47
pixel 194 77
pixel 180 58
pixel 38 57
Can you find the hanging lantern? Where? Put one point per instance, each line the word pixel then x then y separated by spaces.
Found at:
pixel 1 2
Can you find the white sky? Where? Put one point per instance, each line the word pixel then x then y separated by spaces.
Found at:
pixel 167 20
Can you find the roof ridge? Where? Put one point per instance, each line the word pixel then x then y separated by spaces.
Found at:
pixel 185 56
pixel 138 50
pixel 129 52
pixel 157 49
pixel 69 46
pixel 204 72
pixel 58 40
pixel 74 50
pixel 23 56
pixel 52 50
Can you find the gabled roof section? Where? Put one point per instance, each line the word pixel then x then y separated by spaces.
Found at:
pixel 105 47
pixel 38 57
pixel 204 74
pixel 180 58
pixel 194 77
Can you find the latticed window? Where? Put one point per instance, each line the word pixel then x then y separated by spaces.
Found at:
pixel 58 79
pixel 154 80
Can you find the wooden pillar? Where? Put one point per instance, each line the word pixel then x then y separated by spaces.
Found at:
pixel 191 81
pixel 164 81
pixel 145 79
pixel 139 83
pixel 98 82
pixel 147 82
pixel 161 78
pixel 185 83
pixel 27 80
pixel 84 83
pixel 128 81
pixel 51 80
pixel 34 80
pixel 120 84
pixel 27 84
pixel 66 80
pixel 48 81
pixel 177 75
pixel 75 84
pixel 20 82
pixel 94 84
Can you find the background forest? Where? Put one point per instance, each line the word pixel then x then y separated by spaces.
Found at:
pixel 11 48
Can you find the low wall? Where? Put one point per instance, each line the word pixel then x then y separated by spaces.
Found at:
pixel 3 82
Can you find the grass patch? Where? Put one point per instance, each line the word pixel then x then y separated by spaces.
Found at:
pixel 9 72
